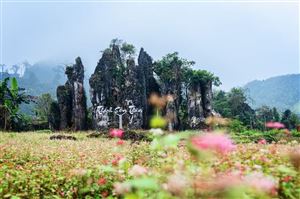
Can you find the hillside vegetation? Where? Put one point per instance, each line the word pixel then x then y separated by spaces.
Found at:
pixel 282 92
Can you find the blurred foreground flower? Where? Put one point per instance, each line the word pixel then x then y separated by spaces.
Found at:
pixel 157 101
pixel 121 188
pixel 260 182
pixel 158 122
pixel 213 141
pixel 116 133
pixel 137 170
pixel 274 125
pixel 295 158
pixel 216 121
pixel 156 132
pixel 177 183
pixel 221 182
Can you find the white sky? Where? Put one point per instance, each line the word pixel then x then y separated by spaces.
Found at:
pixel 239 42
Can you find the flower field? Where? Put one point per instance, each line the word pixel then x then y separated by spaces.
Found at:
pixel 206 165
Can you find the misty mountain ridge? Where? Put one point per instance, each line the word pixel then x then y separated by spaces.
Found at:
pixel 282 92
pixel 41 77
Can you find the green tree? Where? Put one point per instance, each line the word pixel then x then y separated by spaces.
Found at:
pixel 11 96
pixel 233 104
pixel 42 107
pixel 265 114
pixel 220 103
pixel 290 119
pixel 203 76
pixel 127 50
pixel 276 115
pixel 240 109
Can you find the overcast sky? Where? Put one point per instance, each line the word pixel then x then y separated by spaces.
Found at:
pixel 239 42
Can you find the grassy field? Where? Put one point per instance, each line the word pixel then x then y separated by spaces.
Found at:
pixel 33 166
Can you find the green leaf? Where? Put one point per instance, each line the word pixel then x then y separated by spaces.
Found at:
pixel 171 140
pixel 14 86
pixel 144 183
pixel 131 196
pixel 286 170
pixel 106 169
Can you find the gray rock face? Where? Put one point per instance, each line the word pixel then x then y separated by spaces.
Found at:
pixel 207 96
pixel 195 107
pixel 133 96
pixel 120 90
pixel 199 103
pixel 106 88
pixel 78 97
pixel 147 82
pixel 72 100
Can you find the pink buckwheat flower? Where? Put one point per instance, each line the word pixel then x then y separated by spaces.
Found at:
pixel 262 141
pixel 213 141
pixel 274 125
pixel 121 188
pixel 260 182
pixel 116 133
pixel 177 184
pixel 137 170
pixel 120 142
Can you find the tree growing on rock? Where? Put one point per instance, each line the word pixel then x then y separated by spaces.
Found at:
pixel 191 90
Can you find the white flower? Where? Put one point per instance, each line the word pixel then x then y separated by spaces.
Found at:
pixel 156 132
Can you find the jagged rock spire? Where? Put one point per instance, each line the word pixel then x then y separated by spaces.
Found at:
pixel 72 100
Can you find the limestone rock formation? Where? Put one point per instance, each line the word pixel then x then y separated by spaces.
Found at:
pixel 106 88
pixel 79 110
pixel 195 107
pixel 199 103
pixel 72 100
pixel 120 90
pixel 147 82
pixel 207 97
pixel 133 96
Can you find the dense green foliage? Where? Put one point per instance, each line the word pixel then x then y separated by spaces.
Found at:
pixel 11 96
pixel 234 105
pixel 42 106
